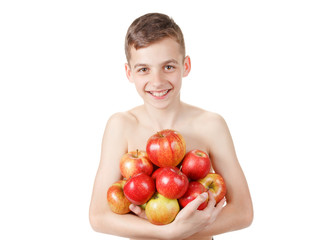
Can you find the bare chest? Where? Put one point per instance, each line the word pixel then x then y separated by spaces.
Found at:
pixel 137 139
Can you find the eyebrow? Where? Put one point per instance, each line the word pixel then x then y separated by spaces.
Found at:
pixel 171 61
pixel 140 65
pixel 164 63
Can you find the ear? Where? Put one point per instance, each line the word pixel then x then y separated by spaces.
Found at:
pixel 186 66
pixel 128 72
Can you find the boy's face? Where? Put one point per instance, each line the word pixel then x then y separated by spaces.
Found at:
pixel 157 72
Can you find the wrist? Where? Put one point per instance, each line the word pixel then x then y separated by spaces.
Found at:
pixel 170 232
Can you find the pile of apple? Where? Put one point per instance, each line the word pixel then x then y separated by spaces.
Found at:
pixel 164 178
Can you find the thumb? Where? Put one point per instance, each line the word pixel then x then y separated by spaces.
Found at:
pixel 198 201
pixel 134 208
pixel 137 210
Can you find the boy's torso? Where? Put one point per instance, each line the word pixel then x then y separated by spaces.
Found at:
pixel 193 130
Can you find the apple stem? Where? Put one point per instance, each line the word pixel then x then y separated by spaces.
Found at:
pixel 160 135
pixel 199 154
pixel 137 153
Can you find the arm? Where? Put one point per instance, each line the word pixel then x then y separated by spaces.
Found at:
pixel 102 219
pixel 238 213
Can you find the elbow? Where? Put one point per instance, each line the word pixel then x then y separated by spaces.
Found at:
pixel 247 217
pixel 99 223
pixel 248 220
pixel 94 222
pixel 242 217
pixel 100 220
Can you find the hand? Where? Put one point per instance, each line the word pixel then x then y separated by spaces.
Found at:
pixel 190 220
pixel 138 211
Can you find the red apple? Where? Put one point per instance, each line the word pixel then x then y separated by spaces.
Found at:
pixel 196 164
pixel 215 183
pixel 116 199
pixel 135 162
pixel 166 148
pixel 171 182
pixel 139 189
pixel 156 172
pixel 194 189
pixel 161 210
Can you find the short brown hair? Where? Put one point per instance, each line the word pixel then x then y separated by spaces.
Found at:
pixel 150 28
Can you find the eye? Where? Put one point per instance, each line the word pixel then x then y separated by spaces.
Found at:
pixel 169 67
pixel 142 70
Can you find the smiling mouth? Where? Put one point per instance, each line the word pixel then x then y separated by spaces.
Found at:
pixel 159 93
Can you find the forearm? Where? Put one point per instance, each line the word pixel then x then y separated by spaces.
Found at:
pixel 230 219
pixel 129 226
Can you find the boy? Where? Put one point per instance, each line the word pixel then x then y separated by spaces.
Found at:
pixel 157 63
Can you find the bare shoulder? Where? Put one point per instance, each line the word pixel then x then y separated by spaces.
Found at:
pixel 214 119
pixel 215 122
pixel 118 129
pixel 206 120
pixel 215 127
pixel 122 121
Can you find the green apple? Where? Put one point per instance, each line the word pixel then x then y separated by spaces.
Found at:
pixel 161 210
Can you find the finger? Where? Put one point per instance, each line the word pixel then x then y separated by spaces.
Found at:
pixel 215 211
pixel 138 211
pixel 218 208
pixel 193 205
pixel 212 201
pixel 135 209
pixel 221 203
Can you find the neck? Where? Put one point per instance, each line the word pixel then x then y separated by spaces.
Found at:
pixel 164 118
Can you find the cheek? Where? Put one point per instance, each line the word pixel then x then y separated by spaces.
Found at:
pixel 140 83
pixel 176 78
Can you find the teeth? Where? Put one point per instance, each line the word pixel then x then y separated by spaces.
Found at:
pixel 159 94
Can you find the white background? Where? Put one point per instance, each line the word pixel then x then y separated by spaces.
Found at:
pixel 62 76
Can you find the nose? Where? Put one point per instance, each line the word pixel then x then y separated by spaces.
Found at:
pixel 157 78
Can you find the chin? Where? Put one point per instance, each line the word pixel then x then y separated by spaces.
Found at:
pixel 158 105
